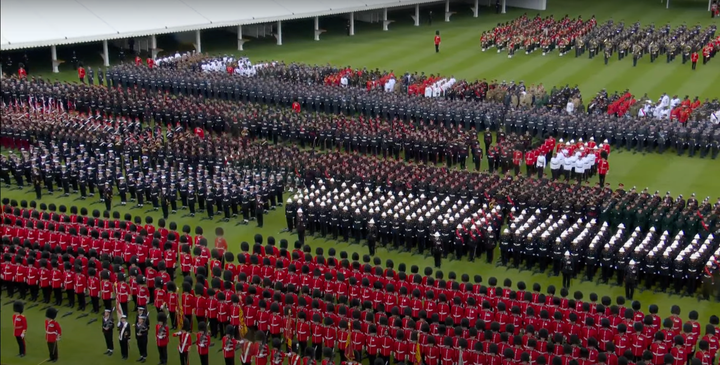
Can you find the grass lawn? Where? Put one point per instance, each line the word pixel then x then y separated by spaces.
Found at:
pixel 406 48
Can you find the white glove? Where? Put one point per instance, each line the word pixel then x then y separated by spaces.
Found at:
pixel 22 335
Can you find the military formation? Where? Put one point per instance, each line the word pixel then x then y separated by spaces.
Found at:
pixel 381 123
pixel 606 39
pixel 226 172
pixel 637 42
pixel 272 304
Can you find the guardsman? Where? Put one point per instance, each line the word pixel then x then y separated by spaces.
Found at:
pixel 203 343
pixel 53 332
pixel 19 326
pixel 185 342
pixel 437 41
pixel 694 59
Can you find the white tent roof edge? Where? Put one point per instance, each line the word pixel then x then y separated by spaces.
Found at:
pixel 7 44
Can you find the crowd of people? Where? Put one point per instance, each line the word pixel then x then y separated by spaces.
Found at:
pixel 268 302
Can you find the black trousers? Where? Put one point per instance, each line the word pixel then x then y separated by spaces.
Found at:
pixel 437 48
pixel 46 292
pixel 142 343
pixel 629 290
pixel 204 359
pixel 107 303
pixel 162 351
pixel 566 280
pixel 229 361
pixel 53 350
pixel 124 348
pixel 58 296
pixel 109 344
pixel 81 301
pixel 184 358
pixel 21 345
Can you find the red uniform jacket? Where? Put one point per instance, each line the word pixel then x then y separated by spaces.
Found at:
pixel 52 331
pixel 202 341
pixel 19 324
pixel 185 341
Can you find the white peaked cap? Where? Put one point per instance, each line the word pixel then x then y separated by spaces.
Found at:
pixel 299 210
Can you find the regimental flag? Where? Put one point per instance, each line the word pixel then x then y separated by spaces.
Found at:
pixel 241 317
pixel 349 353
pixel 418 355
pixel 288 329
pixel 179 312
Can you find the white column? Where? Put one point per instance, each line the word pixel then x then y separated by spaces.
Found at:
pixel 317 29
pixel 475 9
pixel 447 6
pixel 385 24
pixel 667 4
pixel 279 33
pixel 417 15
pixel 352 23
pixel 240 38
pixel 503 6
pixel 153 42
pixel 106 54
pixel 198 41
pixel 53 53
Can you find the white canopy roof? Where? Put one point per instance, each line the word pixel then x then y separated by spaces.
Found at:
pixel 37 23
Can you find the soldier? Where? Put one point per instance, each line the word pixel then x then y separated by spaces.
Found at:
pixel 568 270
pixel 300 226
pixel 631 273
pixel 141 336
pixel 19 326
pixel 259 211
pixel 371 236
pixel 607 56
pixel 108 325
pixel 437 249
pixel 637 53
pixel 162 332
pixel 164 203
pixel 53 333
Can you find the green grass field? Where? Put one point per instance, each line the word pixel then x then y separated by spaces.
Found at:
pixel 407 48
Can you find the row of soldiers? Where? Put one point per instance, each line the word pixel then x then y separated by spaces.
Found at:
pixel 636 41
pixel 309 324
pixel 232 117
pixel 190 149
